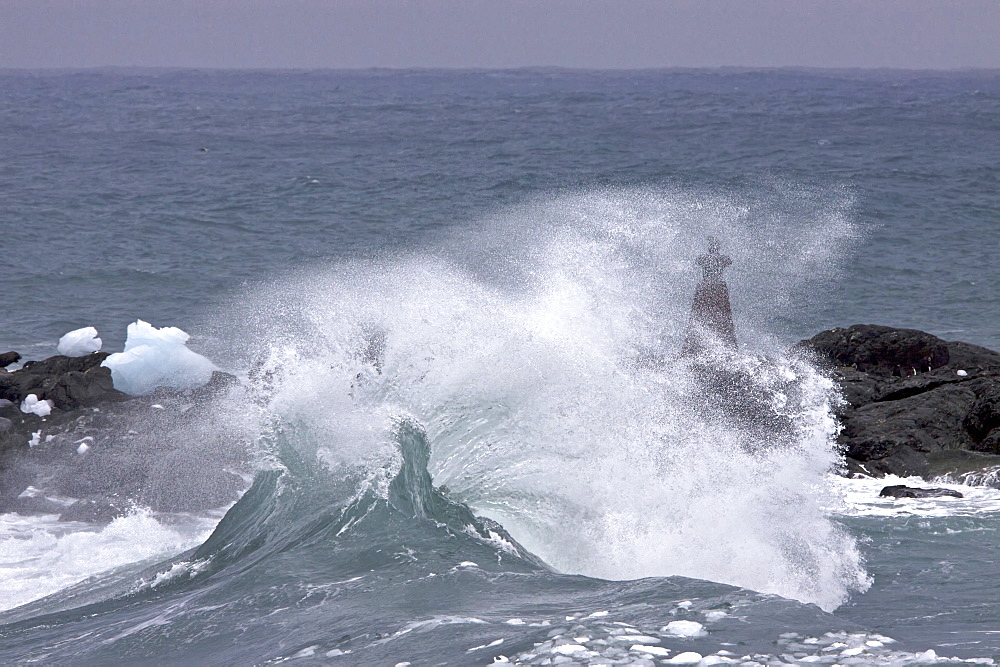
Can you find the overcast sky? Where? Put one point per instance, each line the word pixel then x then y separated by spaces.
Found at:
pixel 919 34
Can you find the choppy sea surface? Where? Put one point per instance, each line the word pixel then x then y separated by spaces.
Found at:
pixel 440 291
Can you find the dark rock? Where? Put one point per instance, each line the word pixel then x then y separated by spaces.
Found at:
pixel 8 358
pixel 910 385
pixel 879 350
pixel 903 491
pixel 990 444
pixel 984 415
pixel 859 388
pixel 69 382
pixel 909 396
pixel 972 358
pixel 959 463
pixel 886 435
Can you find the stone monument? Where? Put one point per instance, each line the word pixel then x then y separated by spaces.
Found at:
pixel 711 324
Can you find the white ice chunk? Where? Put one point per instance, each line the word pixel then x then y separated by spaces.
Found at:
pixel 684 629
pixel 79 343
pixel 157 358
pixel 645 639
pixel 961 373
pixel 31 405
pixel 653 650
pixel 36 439
pixel 686 658
pixel 82 449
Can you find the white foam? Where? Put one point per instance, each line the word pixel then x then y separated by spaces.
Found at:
pixel 157 358
pixel 32 405
pixel 40 555
pixel 538 415
pixel 855 648
pixel 860 497
pixel 80 342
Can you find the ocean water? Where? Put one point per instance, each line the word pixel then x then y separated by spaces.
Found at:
pixel 441 292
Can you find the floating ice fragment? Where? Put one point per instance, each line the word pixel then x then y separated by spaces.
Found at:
pixel 79 343
pixel 157 358
pixel 686 658
pixel 961 373
pixel 686 604
pixel 514 621
pixel 31 405
pixel 684 629
pixel 645 639
pixel 569 649
pixel 716 615
pixel 659 650
pixel 36 439
pixel 597 614
pixel 82 449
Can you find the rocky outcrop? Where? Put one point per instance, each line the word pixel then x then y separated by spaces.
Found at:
pixel 108 450
pixel 912 399
pixel 903 491
pixel 69 382
pixel 8 358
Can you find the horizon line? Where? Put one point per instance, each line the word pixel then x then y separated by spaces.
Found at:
pixel 520 68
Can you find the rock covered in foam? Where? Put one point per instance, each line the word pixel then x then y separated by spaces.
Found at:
pixel 903 491
pixel 157 358
pixel 80 342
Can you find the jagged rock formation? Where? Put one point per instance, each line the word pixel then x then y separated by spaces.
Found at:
pixel 915 404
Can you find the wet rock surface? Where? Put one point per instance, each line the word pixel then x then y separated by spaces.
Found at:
pixel 912 400
pixel 903 491
pixel 101 453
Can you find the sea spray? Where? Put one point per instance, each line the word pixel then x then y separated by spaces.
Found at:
pixel 542 367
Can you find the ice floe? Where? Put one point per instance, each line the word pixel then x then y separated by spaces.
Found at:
pixel 32 405
pixel 157 358
pixel 79 343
